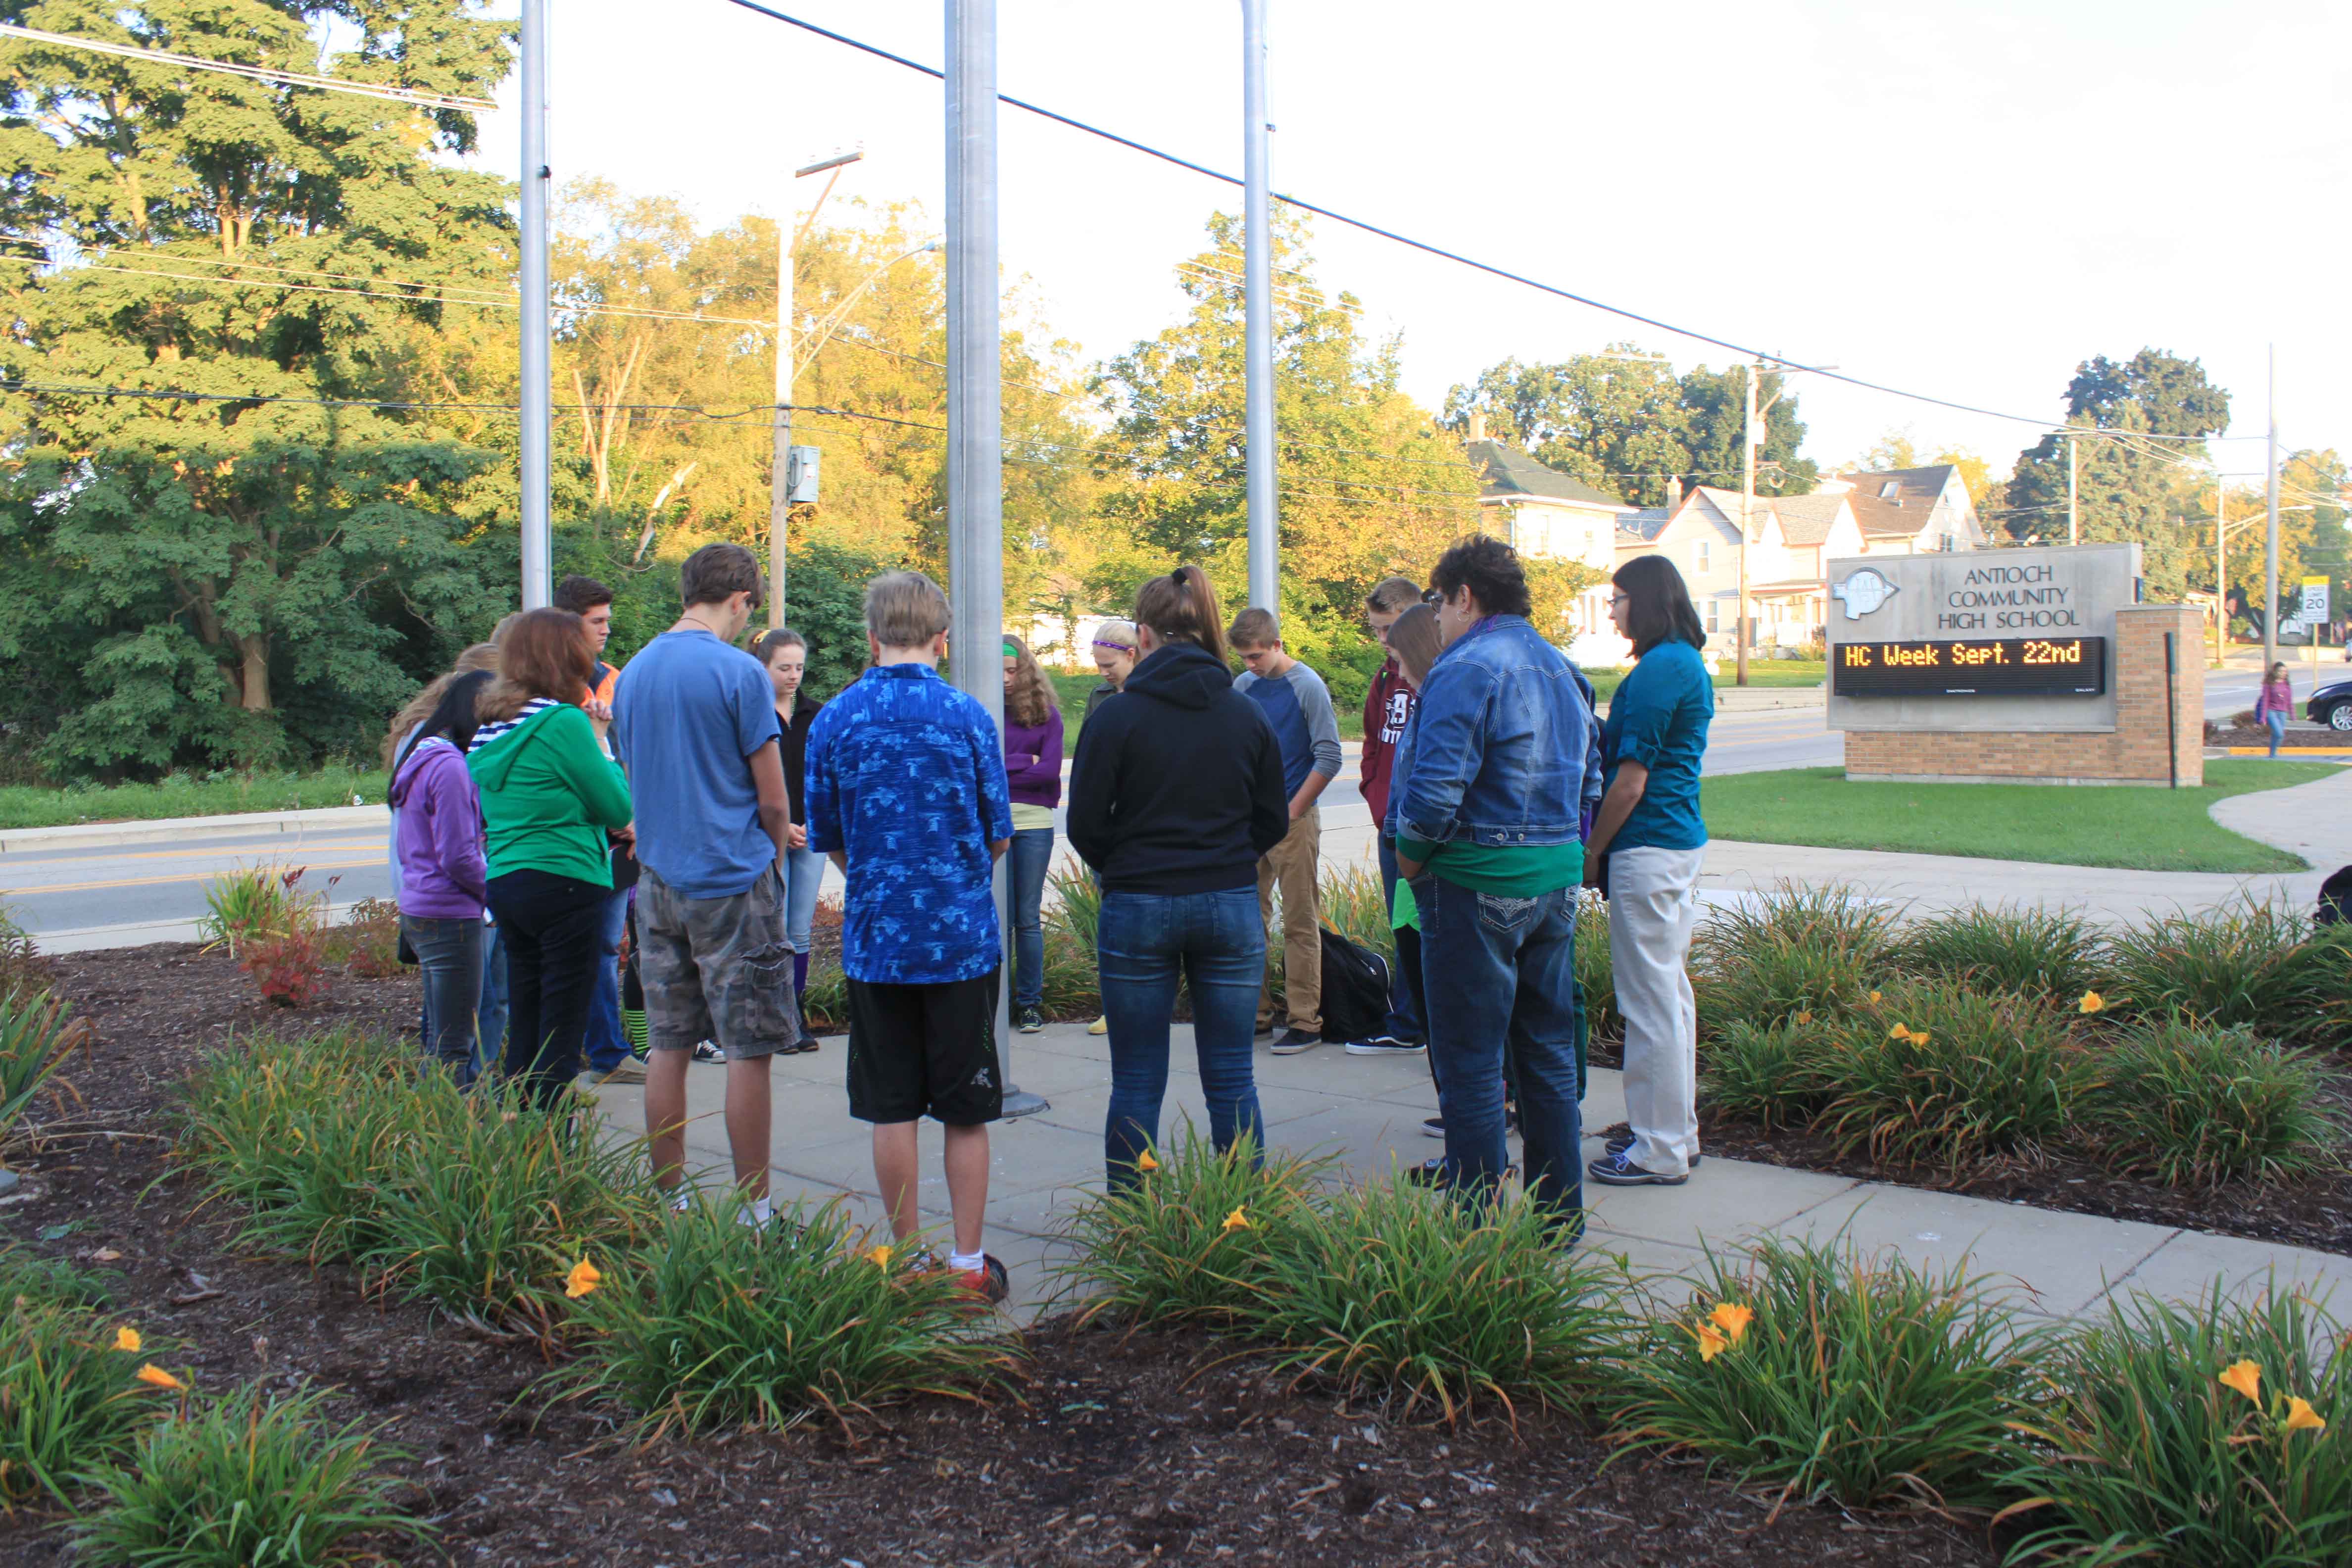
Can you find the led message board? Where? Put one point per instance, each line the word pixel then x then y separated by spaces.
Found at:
pixel 1970 667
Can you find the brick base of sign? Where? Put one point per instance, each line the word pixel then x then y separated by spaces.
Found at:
pixel 2133 752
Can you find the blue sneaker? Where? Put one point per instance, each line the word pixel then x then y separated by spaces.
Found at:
pixel 1624 1141
pixel 1617 1170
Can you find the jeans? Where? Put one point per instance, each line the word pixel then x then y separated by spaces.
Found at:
pixel 2276 723
pixel 1404 1019
pixel 491 1031
pixel 608 1043
pixel 449 960
pixel 1652 907
pixel 551 926
pixel 1026 864
pixel 804 876
pixel 1500 975
pixel 1144 942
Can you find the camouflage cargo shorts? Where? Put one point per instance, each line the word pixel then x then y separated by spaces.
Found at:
pixel 717 969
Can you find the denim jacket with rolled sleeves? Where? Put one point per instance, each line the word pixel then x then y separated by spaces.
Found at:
pixel 1503 749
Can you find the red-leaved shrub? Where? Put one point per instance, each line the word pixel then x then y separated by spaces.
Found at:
pixel 288 966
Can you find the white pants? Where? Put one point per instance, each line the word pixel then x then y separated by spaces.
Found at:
pixel 1653 904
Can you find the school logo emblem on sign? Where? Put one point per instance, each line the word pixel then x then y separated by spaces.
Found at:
pixel 1862 592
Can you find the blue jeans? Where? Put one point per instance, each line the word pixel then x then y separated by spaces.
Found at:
pixel 608 1043
pixel 1026 864
pixel 804 876
pixel 1404 1019
pixel 449 960
pixel 491 1023
pixel 1500 975
pixel 2277 722
pixel 1144 942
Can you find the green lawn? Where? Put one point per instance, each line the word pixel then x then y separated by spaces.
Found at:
pixel 1073 688
pixel 2136 829
pixel 1781 672
pixel 184 796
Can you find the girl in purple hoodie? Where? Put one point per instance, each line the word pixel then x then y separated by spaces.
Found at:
pixel 1032 767
pixel 438 841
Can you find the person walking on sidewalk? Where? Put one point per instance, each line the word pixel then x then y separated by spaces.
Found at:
pixel 906 792
pixel 611 1058
pixel 1297 708
pixel 1114 657
pixel 552 800
pixel 1388 708
pixel 1486 804
pixel 2274 705
pixel 784 652
pixel 1033 766
pixel 694 721
pixel 442 875
pixel 1175 797
pixel 1648 843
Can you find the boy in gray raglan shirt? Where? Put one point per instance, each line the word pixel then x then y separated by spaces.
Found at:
pixel 1297 705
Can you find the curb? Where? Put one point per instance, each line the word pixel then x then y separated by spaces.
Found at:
pixel 97 835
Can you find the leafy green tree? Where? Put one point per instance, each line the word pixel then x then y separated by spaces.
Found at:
pixel 240 578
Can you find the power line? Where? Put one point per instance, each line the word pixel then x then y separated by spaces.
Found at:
pixel 261 73
pixel 1426 246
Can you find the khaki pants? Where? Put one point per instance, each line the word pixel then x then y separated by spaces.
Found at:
pixel 1293 866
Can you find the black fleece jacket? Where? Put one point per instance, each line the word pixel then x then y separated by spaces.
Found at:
pixel 1177 787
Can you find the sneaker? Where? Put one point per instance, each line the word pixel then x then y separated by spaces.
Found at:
pixel 1432 1172
pixel 628 1070
pixel 709 1051
pixel 1294 1041
pixel 1265 1027
pixel 1029 1020
pixel 1100 1027
pixel 1624 1141
pixel 1618 1170
pixel 802 1046
pixel 1386 1045
pixel 988 1282
pixel 1434 1127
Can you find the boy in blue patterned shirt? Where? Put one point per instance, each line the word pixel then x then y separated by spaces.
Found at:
pixel 906 792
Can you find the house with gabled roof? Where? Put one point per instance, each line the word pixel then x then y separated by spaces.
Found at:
pixel 1547 515
pixel 1910 511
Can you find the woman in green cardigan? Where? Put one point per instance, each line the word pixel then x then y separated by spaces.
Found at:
pixel 553 803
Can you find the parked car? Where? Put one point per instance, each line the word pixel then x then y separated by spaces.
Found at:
pixel 2332 705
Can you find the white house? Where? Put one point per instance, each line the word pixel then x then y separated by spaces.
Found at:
pixel 1545 514
pixel 1790 604
pixel 1910 511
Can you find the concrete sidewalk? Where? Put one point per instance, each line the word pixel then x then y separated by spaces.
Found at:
pixel 1367 1111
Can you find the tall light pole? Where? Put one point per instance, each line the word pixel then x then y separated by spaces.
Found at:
pixel 538 337
pixel 2074 515
pixel 2270 533
pixel 2221 570
pixel 1257 320
pixel 780 484
pixel 976 409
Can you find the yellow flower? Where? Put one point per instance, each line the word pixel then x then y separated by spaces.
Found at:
pixel 1900 1031
pixel 1711 1342
pixel 2301 1417
pixel 155 1376
pixel 1144 1162
pixel 879 1258
pixel 1236 1220
pixel 584 1277
pixel 127 1340
pixel 1920 1037
pixel 2092 1001
pixel 1732 1318
pixel 1804 1017
pixel 2245 1377
pixel 1874 997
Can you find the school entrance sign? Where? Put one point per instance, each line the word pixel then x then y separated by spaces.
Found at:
pixel 2035 664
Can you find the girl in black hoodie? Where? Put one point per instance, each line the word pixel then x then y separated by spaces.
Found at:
pixel 1175 795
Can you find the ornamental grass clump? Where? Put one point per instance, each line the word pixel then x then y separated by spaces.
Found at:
pixel 2195 1105
pixel 1774 1075
pixel 1594 976
pixel 38 1035
pixel 715 1326
pixel 2032 950
pixel 1794 950
pixel 1457 1308
pixel 2209 1435
pixel 72 1397
pixel 1192 1239
pixel 253 1480
pixel 1822 1373
pixel 2263 966
pixel 1943 1072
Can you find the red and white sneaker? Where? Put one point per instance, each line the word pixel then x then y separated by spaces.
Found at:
pixel 986 1284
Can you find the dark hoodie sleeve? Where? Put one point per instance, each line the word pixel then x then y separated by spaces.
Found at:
pixel 1093 776
pixel 1269 802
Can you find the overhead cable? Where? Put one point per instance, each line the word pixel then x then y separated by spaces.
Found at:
pixel 261 73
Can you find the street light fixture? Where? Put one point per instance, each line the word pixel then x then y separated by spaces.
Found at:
pixel 780 496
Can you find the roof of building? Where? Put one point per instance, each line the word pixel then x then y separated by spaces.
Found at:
pixel 1806 520
pixel 1644 525
pixel 1896 500
pixel 1505 472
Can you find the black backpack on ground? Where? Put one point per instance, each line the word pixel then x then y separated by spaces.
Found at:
pixel 1355 989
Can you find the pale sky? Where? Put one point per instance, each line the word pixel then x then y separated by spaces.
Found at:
pixel 1963 198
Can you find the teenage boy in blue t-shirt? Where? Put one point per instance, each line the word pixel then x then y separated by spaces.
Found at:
pixel 906 792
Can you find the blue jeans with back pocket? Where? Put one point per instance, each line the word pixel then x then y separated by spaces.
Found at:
pixel 1501 972
pixel 1145 942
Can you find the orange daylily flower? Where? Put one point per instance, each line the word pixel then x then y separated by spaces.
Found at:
pixel 2301 1417
pixel 879 1257
pixel 1804 1017
pixel 2092 1001
pixel 1236 1220
pixel 2245 1377
pixel 127 1340
pixel 1920 1037
pixel 1144 1162
pixel 1873 997
pixel 155 1376
pixel 1711 1342
pixel 1732 1318
pixel 584 1277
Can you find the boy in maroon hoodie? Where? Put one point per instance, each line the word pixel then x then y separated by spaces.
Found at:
pixel 1388 708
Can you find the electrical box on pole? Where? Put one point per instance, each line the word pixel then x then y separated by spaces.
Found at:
pixel 800 475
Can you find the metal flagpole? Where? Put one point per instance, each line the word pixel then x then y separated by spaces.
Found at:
pixel 976 413
pixel 1257 325
pixel 538 347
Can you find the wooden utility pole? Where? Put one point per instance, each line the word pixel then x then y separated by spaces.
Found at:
pixel 2220 568
pixel 2074 516
pixel 1746 507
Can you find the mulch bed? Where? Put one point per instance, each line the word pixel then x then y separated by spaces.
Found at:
pixel 1117 1449
pixel 2255 735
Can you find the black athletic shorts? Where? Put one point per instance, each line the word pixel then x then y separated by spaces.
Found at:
pixel 925 1050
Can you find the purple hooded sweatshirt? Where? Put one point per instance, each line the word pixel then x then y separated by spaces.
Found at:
pixel 1032 759
pixel 439 837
